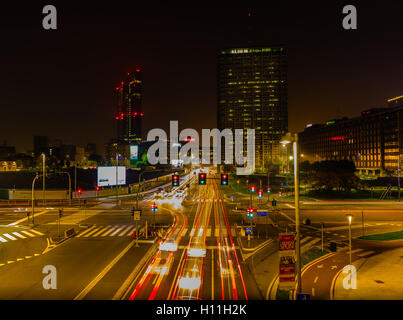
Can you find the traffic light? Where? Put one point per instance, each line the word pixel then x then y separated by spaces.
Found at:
pixel 224 179
pixel 97 188
pixel 60 212
pixel 154 207
pixel 268 190
pixel 250 212
pixel 280 193
pixel 79 191
pixel 252 188
pixel 260 194
pixel 175 180
pixel 202 178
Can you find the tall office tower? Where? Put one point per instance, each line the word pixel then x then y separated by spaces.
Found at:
pixel 252 93
pixel 41 143
pixel 129 111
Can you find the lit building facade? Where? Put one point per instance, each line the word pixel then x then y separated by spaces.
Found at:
pixel 372 141
pixel 252 94
pixel 129 112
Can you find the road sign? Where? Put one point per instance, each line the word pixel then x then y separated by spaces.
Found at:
pixel 262 213
pixel 303 296
pixel 248 230
pixel 136 215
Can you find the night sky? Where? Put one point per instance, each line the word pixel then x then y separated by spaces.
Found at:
pixel 61 83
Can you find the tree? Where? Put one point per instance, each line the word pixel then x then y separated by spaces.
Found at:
pixel 331 175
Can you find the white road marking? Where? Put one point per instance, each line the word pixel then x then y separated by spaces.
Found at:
pixel 130 231
pixel 102 230
pixel 93 231
pixel 108 232
pixel 19 235
pixel 124 231
pixel 85 231
pixel 28 234
pixel 116 231
pixel 37 232
pixel 8 236
pixel 2 239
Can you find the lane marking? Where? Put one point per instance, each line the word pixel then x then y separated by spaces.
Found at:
pixel 9 236
pixel 116 231
pixel 93 231
pixel 124 231
pixel 26 218
pixel 2 239
pixel 356 250
pixel 28 234
pixel 130 231
pixel 316 279
pixel 108 232
pixel 98 278
pixel 37 232
pixel 99 232
pixel 85 231
pixel 19 235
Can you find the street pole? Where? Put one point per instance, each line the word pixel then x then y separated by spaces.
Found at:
pixel 362 216
pixel 117 183
pixel 137 235
pixel 75 177
pixel 398 154
pixel 33 199
pixel 349 235
pixel 297 222
pixel 43 176
pixel 322 235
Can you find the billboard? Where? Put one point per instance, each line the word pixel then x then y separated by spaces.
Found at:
pixel 287 269
pixel 134 152
pixel 107 176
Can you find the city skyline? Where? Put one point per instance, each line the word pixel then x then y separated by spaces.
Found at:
pixel 78 63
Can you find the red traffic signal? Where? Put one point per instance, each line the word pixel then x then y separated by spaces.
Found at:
pixel 97 188
pixel 224 179
pixel 79 191
pixel 202 178
pixel 252 188
pixel 175 180
pixel 260 193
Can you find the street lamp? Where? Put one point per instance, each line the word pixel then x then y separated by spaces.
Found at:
pixel 117 180
pixel 289 138
pixel 43 175
pixel 349 217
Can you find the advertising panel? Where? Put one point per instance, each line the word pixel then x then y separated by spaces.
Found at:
pixel 287 269
pixel 107 176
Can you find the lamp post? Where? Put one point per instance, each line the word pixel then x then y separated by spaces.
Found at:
pixel 117 180
pixel 349 217
pixel 289 138
pixel 33 199
pixel 43 180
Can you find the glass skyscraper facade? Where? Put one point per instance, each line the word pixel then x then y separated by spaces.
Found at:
pixel 129 112
pixel 252 94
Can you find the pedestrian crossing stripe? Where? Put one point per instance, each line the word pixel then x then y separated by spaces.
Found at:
pixel 104 231
pixel 9 236
pixel 21 234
